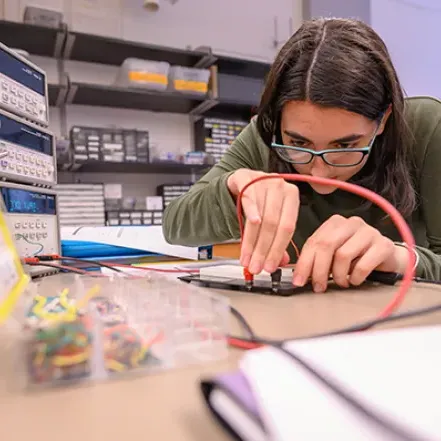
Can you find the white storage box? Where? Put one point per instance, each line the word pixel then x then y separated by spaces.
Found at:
pixel 143 73
pixel 189 80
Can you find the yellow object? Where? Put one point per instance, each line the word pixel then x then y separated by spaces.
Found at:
pixel 148 77
pixel 13 279
pixel 191 86
pixel 69 360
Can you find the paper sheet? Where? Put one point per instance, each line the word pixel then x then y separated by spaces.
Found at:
pixel 396 372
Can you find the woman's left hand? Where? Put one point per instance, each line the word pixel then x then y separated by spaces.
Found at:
pixel 349 249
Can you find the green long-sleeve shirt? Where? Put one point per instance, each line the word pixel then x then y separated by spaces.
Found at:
pixel 207 213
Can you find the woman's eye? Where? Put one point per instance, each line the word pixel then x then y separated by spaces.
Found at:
pixel 344 145
pixel 299 143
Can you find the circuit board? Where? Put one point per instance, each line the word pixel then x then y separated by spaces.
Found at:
pixel 237 284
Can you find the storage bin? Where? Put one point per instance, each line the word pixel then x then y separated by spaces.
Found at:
pixel 189 80
pixel 152 75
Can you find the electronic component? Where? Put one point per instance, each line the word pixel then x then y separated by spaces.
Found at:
pixel 32 215
pixel 109 145
pixel 81 204
pixel 27 152
pixel 214 136
pixel 232 277
pixel 23 87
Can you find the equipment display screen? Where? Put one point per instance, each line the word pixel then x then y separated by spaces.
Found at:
pixel 22 73
pixel 25 136
pixel 28 202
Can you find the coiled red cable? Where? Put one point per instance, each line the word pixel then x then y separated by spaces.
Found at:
pixel 376 199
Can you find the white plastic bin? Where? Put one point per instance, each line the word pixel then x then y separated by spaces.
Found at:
pixel 146 74
pixel 189 80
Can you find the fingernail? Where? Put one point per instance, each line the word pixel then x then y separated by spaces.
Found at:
pixel 298 280
pixel 318 287
pixel 254 268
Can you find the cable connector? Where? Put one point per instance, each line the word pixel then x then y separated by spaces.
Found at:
pixel 249 279
pixel 276 278
pixel 385 278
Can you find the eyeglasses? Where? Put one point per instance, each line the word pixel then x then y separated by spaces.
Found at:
pixel 334 157
pixel 345 157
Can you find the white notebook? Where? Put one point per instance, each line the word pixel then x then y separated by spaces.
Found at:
pixel 397 373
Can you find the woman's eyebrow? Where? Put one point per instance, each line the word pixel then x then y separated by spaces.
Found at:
pixel 349 138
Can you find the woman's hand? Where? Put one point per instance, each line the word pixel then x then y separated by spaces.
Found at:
pixel 348 248
pixel 271 208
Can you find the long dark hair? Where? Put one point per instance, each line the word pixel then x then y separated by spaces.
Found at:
pixel 343 63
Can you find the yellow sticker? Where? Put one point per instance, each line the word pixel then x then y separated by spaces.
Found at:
pixel 148 77
pixel 194 86
pixel 13 279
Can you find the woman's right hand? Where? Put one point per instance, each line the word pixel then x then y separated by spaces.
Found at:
pixel 271 209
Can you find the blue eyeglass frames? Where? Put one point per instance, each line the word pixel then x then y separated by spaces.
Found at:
pixel 345 157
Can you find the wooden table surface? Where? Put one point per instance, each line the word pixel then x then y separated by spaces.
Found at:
pixel 168 406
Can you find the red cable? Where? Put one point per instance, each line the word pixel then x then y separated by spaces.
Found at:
pixel 382 203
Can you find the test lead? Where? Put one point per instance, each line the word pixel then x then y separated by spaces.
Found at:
pixel 249 279
pixel 276 278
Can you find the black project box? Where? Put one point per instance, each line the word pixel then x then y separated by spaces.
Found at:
pixel 109 145
pixel 214 136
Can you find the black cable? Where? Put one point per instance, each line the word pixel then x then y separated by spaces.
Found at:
pixel 245 325
pixel 78 260
pixel 427 281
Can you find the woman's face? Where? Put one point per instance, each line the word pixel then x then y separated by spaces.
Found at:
pixel 318 128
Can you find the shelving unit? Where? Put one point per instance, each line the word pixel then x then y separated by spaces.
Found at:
pixel 235 89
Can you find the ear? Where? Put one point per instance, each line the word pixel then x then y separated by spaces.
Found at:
pixel 384 120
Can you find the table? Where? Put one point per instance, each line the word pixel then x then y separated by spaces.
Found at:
pixel 168 406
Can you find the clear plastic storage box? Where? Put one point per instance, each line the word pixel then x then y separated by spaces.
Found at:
pixel 152 75
pixel 189 80
pixel 75 329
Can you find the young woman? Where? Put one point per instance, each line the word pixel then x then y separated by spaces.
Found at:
pixel 332 107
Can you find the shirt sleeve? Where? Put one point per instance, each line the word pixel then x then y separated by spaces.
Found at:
pixel 206 214
pixel 429 265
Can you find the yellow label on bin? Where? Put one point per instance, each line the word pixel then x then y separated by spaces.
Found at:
pixel 148 77
pixel 195 86
pixel 13 279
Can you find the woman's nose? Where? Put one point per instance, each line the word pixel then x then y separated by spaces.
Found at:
pixel 319 168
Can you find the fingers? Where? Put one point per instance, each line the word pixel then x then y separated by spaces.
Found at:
pixel 273 205
pixel 379 251
pixel 348 255
pixel 285 259
pixel 285 230
pixel 317 254
pixel 252 209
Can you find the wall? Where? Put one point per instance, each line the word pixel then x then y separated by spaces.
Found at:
pixel 413 41
pixel 337 8
pixel 242 28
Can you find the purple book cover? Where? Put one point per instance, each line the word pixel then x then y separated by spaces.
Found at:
pixel 237 387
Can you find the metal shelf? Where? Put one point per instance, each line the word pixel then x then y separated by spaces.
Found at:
pixel 154 167
pixel 125 98
pixel 106 50
pixel 37 40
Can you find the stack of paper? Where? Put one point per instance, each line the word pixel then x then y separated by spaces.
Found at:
pixel 395 373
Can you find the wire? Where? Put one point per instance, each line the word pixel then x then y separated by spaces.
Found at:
pixel 57 266
pixel 109 265
pixel 245 325
pixel 376 199
pixel 31 243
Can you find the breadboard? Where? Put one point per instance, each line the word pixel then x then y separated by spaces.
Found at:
pixel 230 277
